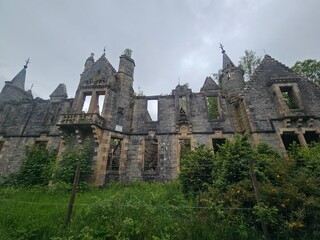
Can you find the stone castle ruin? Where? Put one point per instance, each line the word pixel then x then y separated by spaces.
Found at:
pixel 276 106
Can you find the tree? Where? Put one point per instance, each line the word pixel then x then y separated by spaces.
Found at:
pixel 196 170
pixel 308 68
pixel 249 62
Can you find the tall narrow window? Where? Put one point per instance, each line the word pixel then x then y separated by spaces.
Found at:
pixel 100 103
pixel 183 104
pixel 86 103
pixel 152 108
pixel 185 146
pixel 289 97
pixel 213 110
pixel 114 154
pixel 288 138
pixel 216 143
pixel 1 145
pixel 151 155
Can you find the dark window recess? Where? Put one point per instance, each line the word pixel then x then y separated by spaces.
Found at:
pixel 114 154
pixel 185 146
pixel 289 97
pixel 311 136
pixel 216 143
pixel 151 155
pixel 288 138
pixel 41 144
pixel 1 145
pixel 213 111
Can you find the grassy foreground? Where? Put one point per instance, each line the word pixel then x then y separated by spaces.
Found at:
pixel 138 211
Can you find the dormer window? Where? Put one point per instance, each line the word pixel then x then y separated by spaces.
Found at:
pixel 289 97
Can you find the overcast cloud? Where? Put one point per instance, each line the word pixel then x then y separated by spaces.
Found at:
pixel 170 39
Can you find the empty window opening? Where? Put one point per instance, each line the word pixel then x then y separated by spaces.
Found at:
pixel 183 105
pixel 288 138
pixel 1 145
pixel 114 154
pixel 213 110
pixel 151 155
pixel 185 146
pixel 86 103
pixel 311 136
pixel 216 144
pixel 100 104
pixel 41 144
pixel 289 97
pixel 152 108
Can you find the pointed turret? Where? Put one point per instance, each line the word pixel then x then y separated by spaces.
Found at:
pixel 226 61
pixel 231 78
pixel 19 80
pixel 15 89
pixel 89 62
pixel 60 93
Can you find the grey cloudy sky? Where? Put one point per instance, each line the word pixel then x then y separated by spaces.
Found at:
pixel 170 39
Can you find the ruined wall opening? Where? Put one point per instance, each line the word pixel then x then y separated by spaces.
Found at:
pixel 288 138
pixel 150 155
pixel 1 145
pixel 311 136
pixel 152 108
pixel 183 104
pixel 289 97
pixel 100 102
pixel 86 103
pixel 216 144
pixel 185 146
pixel 114 155
pixel 41 144
pixel 213 108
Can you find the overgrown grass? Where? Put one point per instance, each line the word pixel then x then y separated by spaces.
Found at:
pixel 137 211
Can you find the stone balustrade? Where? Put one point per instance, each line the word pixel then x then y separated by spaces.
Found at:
pixel 81 119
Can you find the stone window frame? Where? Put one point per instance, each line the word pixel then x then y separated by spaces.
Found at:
pixel 148 116
pixel 218 108
pixel 217 138
pixel 283 106
pixel 121 158
pixel 143 157
pixel 179 145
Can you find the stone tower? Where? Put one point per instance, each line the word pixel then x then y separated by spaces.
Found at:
pixel 231 78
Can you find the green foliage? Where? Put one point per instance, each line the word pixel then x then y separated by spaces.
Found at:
pixel 289 101
pixel 249 62
pixel 289 194
pixel 196 170
pixel 36 168
pixel 213 111
pixel 127 52
pixel 308 68
pixel 73 155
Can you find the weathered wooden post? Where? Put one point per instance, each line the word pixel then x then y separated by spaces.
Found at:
pixel 73 194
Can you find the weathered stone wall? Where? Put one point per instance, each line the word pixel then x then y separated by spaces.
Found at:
pixel 13 151
pixel 257 108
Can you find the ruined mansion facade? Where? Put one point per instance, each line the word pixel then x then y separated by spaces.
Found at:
pixel 276 106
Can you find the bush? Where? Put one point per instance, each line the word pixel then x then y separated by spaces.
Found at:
pixel 36 168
